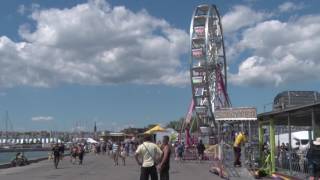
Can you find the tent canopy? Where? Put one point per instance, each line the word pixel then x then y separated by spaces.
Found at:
pixel 90 140
pixel 157 128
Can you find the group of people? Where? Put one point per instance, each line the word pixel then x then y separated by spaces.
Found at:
pixel 76 151
pixel 153 159
pixel 180 150
pixel 115 149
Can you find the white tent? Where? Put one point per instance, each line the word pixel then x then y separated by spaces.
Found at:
pixel 169 132
pixel 295 136
pixel 92 141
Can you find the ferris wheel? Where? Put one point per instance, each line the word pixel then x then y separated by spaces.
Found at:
pixel 208 68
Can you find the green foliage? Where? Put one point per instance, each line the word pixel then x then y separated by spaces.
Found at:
pixel 173 137
pixel 176 125
pixel 194 125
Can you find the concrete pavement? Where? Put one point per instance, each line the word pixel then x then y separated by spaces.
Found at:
pixel 101 167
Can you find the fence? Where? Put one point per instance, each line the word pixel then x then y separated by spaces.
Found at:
pixel 291 150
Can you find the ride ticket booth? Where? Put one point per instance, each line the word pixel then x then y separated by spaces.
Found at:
pixel 236 119
pixel 230 122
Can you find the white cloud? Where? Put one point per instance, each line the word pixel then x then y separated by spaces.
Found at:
pixel 289 6
pixel 94 43
pixel 235 21
pixel 240 17
pixel 42 119
pixel 282 52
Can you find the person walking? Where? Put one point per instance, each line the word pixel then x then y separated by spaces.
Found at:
pixel 74 154
pixel 164 165
pixel 104 148
pixel 180 151
pixel 56 155
pixel 127 148
pixel 123 154
pixel 240 139
pixel 149 153
pixel 313 157
pixel 81 153
pixel 200 149
pixel 61 149
pixel 109 148
pixel 115 153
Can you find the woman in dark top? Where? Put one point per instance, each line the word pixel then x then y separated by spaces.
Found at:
pixel 164 165
pixel 80 153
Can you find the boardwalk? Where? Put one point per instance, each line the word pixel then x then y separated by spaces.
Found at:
pixel 101 167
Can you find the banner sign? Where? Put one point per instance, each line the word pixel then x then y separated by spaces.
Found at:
pixel 236 114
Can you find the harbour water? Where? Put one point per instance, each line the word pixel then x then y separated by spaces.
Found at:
pixel 6 157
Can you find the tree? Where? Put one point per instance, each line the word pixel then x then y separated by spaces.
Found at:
pixel 194 124
pixel 176 124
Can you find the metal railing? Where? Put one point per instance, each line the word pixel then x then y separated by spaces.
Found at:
pixel 296 166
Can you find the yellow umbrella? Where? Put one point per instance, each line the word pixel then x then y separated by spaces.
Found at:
pixel 157 128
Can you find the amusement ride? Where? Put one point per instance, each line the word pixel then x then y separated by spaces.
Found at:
pixel 208 68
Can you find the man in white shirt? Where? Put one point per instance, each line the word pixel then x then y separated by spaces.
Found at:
pixel 150 153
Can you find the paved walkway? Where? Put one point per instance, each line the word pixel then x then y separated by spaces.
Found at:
pixel 101 167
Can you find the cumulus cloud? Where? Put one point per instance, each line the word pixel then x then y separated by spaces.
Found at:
pixel 289 6
pixel 235 21
pixel 42 119
pixel 282 52
pixel 240 17
pixel 94 44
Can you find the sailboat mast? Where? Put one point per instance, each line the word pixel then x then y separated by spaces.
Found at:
pixel 6 124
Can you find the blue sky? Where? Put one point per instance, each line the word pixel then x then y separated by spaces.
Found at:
pixel 125 63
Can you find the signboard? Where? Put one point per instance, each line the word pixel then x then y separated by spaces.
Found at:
pixel 236 114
